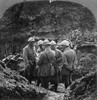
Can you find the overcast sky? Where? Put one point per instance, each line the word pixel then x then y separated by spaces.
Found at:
pixel 91 4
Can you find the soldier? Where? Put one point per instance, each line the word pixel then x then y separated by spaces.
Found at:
pixel 69 59
pixel 46 59
pixel 58 58
pixel 29 55
pixel 58 53
pixel 39 50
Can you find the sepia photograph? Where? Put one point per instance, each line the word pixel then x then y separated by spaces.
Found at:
pixel 48 49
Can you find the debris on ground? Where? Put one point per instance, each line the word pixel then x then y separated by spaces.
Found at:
pixel 83 87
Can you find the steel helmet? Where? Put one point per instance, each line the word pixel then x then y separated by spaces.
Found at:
pixel 40 42
pixel 46 42
pixel 31 39
pixel 53 42
pixel 65 43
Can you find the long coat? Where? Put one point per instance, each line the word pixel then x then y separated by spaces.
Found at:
pixel 28 55
pixel 46 59
pixel 69 59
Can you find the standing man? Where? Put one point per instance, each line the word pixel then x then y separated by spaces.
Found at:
pixel 45 62
pixel 39 50
pixel 69 60
pixel 58 58
pixel 58 53
pixel 29 59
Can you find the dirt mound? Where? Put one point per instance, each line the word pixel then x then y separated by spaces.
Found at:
pixel 83 87
pixel 12 85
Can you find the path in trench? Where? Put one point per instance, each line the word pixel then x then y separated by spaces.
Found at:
pixel 50 95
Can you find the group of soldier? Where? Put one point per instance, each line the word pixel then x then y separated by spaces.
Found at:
pixel 44 60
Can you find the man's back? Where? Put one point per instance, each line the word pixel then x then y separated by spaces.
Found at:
pixel 70 56
pixel 47 57
pixel 44 62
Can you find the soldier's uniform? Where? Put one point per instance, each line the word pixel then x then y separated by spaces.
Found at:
pixel 69 58
pixel 39 50
pixel 58 64
pixel 30 60
pixel 46 59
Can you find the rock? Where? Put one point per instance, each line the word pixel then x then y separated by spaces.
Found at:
pixel 92 97
pixel 83 87
pixel 13 85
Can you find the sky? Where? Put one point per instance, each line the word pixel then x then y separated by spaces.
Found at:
pixel 91 4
